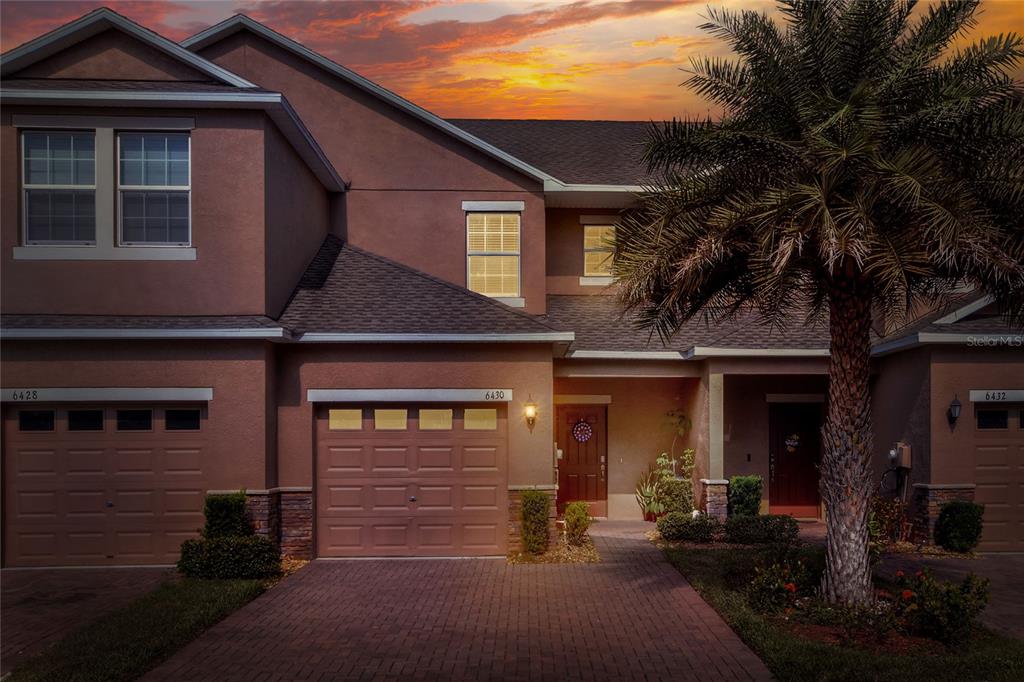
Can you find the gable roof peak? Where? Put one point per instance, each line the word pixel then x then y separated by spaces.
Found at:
pixel 236 23
pixel 96 22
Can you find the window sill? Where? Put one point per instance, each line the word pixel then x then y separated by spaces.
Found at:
pixel 512 302
pixel 593 281
pixel 104 253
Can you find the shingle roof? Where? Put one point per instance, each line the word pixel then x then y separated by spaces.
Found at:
pixel 120 85
pixel 346 290
pixel 577 152
pixel 601 325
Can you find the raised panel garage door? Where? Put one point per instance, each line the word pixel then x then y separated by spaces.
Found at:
pixel 999 475
pixel 101 485
pixel 411 480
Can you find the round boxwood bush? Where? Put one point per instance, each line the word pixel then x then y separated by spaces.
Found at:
pixel 745 495
pixel 577 522
pixel 683 527
pixel 958 528
pixel 243 556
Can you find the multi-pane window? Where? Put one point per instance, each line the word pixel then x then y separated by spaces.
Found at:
pixel 598 247
pixel 492 244
pixel 153 186
pixel 59 180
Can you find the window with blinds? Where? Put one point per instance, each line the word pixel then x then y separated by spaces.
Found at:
pixel 598 248
pixel 492 245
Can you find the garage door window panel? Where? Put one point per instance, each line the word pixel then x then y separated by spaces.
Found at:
pixel 989 419
pixel 476 419
pixel 85 420
pixel 135 420
pixel 435 420
pixel 345 420
pixel 189 419
pixel 36 420
pixel 390 420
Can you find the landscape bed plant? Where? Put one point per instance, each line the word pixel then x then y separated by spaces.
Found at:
pixel 959 526
pixel 916 627
pixel 573 546
pixel 228 546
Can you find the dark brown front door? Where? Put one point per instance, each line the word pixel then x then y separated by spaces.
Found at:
pixel 582 436
pixel 794 455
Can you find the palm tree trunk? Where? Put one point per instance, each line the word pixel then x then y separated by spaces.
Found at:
pixel 846 437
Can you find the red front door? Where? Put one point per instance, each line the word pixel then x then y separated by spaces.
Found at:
pixel 582 436
pixel 794 456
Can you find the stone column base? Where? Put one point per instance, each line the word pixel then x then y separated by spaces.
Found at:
pixel 926 504
pixel 714 497
pixel 515 498
pixel 285 515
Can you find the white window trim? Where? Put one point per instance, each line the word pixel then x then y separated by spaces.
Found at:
pixel 25 187
pixel 596 280
pixel 494 206
pixel 512 301
pixel 105 247
pixel 151 188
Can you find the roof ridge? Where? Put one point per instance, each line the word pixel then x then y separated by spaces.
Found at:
pixel 437 280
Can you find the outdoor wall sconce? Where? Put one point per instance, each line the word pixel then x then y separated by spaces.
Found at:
pixel 954 410
pixel 530 412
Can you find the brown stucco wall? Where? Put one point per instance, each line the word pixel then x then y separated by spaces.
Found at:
pixel 565 251
pixel 901 411
pixel 298 217
pixel 227 232
pixel 237 418
pixel 526 369
pixel 956 371
pixel 408 180
pixel 112 55
pixel 638 428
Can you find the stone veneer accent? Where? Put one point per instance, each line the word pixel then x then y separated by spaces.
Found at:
pixel 515 524
pixel 926 504
pixel 285 516
pixel 715 497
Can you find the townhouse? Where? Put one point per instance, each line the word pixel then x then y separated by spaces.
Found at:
pixel 232 263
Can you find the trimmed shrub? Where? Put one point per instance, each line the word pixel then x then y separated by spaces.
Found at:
pixel 677 494
pixel 577 522
pixel 249 557
pixel 745 495
pixel 943 611
pixel 776 529
pixel 959 525
pixel 535 506
pixel 225 516
pixel 682 527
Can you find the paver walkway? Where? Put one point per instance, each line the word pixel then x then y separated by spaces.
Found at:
pixel 40 606
pixel 632 616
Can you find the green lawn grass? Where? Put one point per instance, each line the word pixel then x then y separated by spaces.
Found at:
pixel 124 644
pixel 719 574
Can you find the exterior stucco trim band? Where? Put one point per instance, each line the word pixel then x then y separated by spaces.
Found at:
pixel 497 206
pixel 425 395
pixel 543 486
pixel 626 354
pixel 36 334
pixel 70 395
pixel 331 337
pixel 945 486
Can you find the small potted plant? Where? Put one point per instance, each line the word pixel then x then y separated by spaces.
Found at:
pixel 648 496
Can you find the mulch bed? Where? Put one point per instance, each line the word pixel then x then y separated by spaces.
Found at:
pixel 560 553
pixel 890 643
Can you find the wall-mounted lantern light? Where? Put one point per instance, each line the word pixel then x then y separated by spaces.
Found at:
pixel 954 409
pixel 530 412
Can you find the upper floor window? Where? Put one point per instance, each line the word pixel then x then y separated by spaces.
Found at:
pixel 598 249
pixel 59 182
pixel 154 188
pixel 492 245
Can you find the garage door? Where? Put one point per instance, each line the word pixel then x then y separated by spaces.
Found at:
pixel 101 484
pixel 403 480
pixel 999 475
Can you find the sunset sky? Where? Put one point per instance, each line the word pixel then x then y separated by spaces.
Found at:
pixel 500 59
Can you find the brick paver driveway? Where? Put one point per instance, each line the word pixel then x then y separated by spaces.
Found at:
pixel 39 606
pixel 632 616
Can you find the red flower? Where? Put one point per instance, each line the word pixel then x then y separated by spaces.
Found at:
pixel 790 587
pixel 919 574
pixel 906 595
pixel 899 573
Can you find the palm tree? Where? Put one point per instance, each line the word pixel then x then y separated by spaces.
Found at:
pixel 862 168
